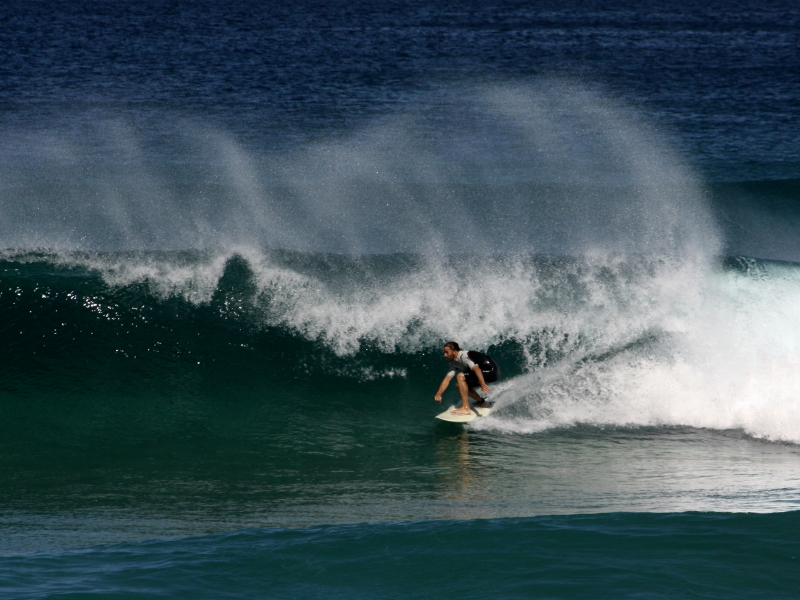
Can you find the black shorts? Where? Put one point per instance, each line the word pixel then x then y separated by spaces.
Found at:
pixel 490 372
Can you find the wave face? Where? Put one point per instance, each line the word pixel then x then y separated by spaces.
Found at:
pixel 597 340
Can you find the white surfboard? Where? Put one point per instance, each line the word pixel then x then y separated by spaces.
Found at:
pixel 475 412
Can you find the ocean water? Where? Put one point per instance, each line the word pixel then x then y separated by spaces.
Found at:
pixel 233 240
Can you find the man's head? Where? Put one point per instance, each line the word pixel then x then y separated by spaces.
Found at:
pixel 451 350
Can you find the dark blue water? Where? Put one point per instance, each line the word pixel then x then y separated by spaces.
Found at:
pixel 723 77
pixel 234 238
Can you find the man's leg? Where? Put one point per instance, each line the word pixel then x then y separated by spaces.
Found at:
pixel 464 390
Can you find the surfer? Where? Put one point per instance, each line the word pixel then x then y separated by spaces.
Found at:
pixel 471 370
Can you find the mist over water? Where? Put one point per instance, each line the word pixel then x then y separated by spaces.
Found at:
pixel 553 167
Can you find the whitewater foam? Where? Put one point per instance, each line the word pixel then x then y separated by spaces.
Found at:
pixel 725 355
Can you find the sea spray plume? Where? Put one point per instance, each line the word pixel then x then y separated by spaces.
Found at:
pixel 550 167
pixel 111 186
pixel 622 187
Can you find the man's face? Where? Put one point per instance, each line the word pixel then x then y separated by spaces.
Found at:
pixel 449 353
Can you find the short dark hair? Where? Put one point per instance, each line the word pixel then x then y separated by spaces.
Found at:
pixel 453 346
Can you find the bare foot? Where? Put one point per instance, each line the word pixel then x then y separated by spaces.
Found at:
pixel 461 411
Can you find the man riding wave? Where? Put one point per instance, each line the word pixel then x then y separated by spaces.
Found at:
pixel 472 370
